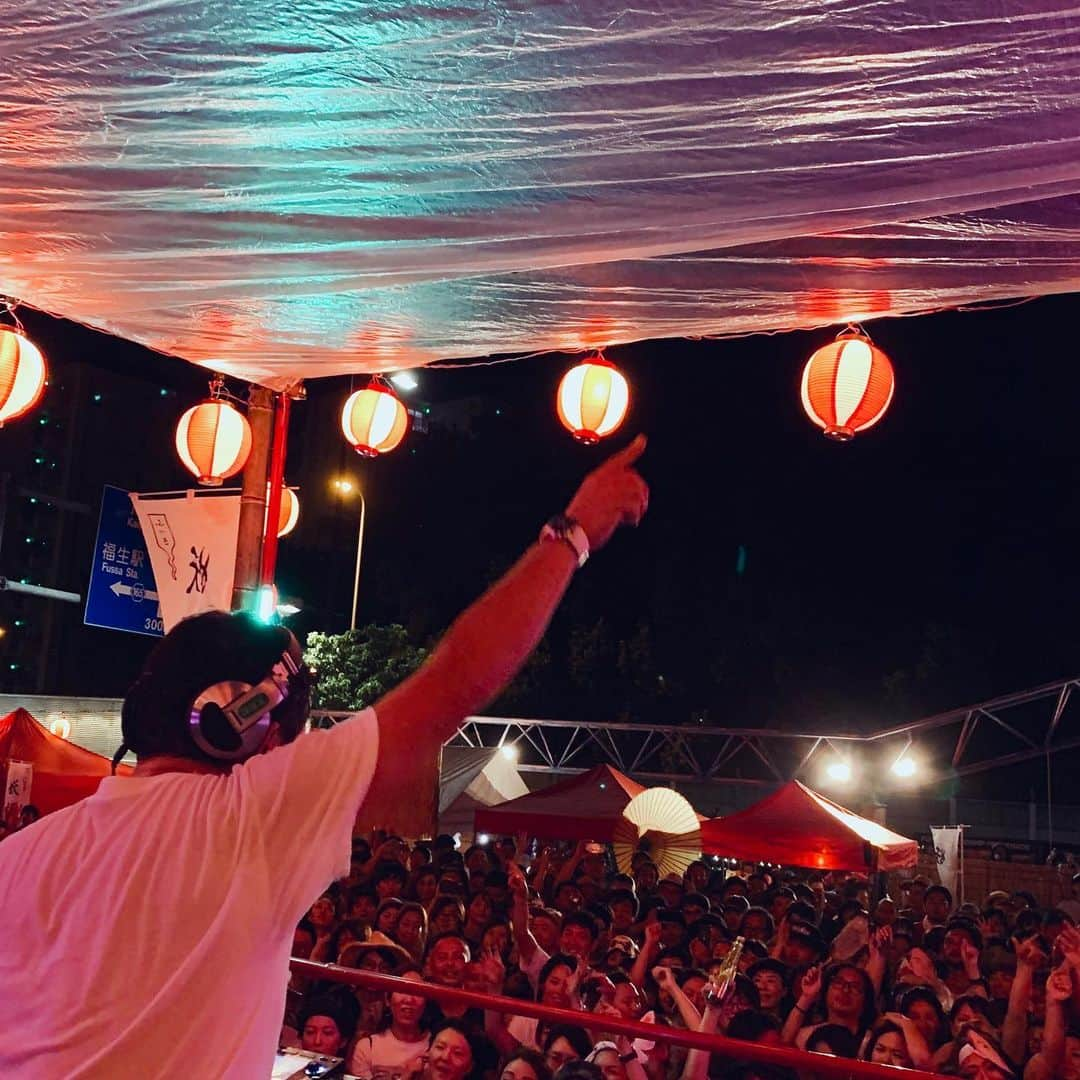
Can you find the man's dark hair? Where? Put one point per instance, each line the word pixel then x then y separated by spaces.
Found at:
pixel 328 1004
pixel 837 1038
pixel 579 1070
pixel 940 890
pixel 749 1025
pixel 572 1034
pixel 802 912
pixel 389 868
pixel 196 654
pixel 581 918
pixel 623 896
pixel 759 913
pixel 696 899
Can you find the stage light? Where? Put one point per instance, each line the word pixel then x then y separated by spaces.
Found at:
pixel 904 766
pixel 509 752
pixel 483 838
pixel 839 771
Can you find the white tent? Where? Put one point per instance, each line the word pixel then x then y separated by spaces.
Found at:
pixel 473 777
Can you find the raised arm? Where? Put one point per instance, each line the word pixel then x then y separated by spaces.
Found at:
pixel 809 990
pixel 665 979
pixel 646 957
pixel 519 914
pixel 1029 957
pixel 486 646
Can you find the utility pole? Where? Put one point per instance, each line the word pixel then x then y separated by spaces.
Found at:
pixel 249 537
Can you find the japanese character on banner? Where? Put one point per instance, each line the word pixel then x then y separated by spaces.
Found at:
pixel 20 775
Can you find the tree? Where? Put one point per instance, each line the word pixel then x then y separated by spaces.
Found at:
pixel 358 667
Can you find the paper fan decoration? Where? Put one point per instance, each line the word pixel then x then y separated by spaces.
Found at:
pixel 661 809
pixel 663 824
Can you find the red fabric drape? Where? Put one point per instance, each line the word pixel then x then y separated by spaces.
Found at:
pixel 63 772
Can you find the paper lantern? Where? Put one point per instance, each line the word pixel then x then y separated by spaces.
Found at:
pixel 847 385
pixel 288 512
pixel 61 727
pixel 22 374
pixel 213 440
pixel 592 399
pixel 374 420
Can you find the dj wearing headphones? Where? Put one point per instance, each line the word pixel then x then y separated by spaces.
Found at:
pixel 148 927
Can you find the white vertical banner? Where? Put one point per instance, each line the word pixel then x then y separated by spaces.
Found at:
pixel 191 539
pixel 17 781
pixel 947 840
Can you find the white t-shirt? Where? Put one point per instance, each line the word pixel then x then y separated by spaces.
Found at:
pixel 384 1051
pixel 147 929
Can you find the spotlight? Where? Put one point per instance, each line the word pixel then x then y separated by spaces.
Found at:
pixel 483 838
pixel 840 771
pixel 509 752
pixel 904 766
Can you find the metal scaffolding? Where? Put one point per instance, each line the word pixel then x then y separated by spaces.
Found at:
pixel 1004 731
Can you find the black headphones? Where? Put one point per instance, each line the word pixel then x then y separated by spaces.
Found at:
pixel 230 720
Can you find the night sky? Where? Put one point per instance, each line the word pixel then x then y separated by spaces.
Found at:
pixel 929 564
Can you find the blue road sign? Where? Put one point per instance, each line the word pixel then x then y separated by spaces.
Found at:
pixel 122 594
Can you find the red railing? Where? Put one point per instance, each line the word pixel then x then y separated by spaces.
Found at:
pixel 785 1057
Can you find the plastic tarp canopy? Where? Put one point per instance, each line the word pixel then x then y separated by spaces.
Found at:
pixel 291 190
pixel 798 827
pixel 63 772
pixel 583 807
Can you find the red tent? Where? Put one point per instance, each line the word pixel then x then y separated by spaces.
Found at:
pixel 63 772
pixel 584 807
pixel 799 827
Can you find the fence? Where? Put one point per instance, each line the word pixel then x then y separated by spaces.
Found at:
pixel 785 1057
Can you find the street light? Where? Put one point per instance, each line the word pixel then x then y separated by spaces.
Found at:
pixel 346 487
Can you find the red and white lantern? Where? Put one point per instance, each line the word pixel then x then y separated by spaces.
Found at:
pixel 288 512
pixel 374 420
pixel 847 385
pixel 22 374
pixel 213 440
pixel 592 399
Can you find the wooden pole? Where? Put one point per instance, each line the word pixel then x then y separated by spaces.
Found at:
pixel 249 535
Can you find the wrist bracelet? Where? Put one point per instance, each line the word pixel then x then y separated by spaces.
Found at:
pixel 798 1008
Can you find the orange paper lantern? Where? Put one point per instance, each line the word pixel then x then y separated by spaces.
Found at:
pixel 213 440
pixel 288 513
pixel 592 399
pixel 22 374
pixel 847 385
pixel 374 420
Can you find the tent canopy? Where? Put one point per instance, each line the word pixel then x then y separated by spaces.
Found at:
pixel 308 189
pixel 63 772
pixel 472 777
pixel 799 827
pixel 583 807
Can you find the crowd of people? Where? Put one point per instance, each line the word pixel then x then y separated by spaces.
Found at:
pixel 988 991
